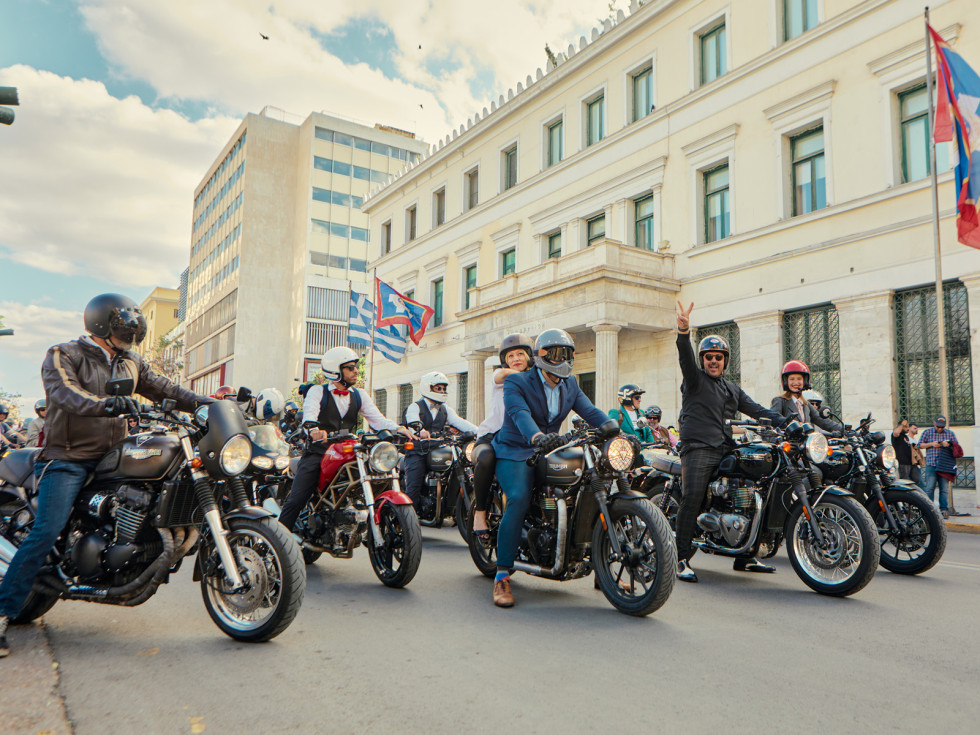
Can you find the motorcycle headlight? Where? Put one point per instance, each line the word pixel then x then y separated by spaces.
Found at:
pixel 619 453
pixel 383 457
pixel 468 451
pixel 816 447
pixel 263 463
pixel 282 462
pixel 235 455
pixel 886 458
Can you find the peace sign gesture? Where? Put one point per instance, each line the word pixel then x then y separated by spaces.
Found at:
pixel 684 317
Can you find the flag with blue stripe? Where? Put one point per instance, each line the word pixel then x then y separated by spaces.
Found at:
pixel 387 340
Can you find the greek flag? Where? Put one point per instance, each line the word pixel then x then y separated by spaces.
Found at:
pixel 387 340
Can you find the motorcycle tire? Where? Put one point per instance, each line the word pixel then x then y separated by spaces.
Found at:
pixel 673 506
pixel 483 549
pixel 311 555
pixel 396 561
pixel 271 564
pixel 36 604
pixel 849 558
pixel 640 582
pixel 923 542
pixel 461 519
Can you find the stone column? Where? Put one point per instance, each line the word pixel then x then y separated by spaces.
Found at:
pixel 972 284
pixel 606 364
pixel 760 353
pixel 867 343
pixel 476 400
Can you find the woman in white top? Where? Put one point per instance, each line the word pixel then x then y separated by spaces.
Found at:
pixel 515 357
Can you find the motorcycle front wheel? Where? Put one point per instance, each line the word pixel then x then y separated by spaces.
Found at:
pixel 921 541
pixel 848 558
pixel 397 560
pixel 642 578
pixel 271 566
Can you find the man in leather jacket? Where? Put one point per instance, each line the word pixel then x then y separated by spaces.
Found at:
pixel 707 401
pixel 82 423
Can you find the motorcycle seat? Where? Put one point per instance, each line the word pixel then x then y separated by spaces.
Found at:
pixel 665 463
pixel 17 466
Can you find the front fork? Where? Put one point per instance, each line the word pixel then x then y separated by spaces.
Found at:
pixel 875 491
pixel 602 498
pixel 799 490
pixel 369 499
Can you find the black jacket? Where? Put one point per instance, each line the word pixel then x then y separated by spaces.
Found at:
pixel 787 408
pixel 706 402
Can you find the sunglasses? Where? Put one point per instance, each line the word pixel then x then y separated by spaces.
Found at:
pixel 713 357
pixel 637 398
pixel 439 388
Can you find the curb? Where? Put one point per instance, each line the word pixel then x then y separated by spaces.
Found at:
pixel 973 528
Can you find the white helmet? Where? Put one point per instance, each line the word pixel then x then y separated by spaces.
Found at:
pixel 812 396
pixel 334 358
pixel 269 403
pixel 431 379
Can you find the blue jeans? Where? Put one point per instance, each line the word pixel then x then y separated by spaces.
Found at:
pixel 516 480
pixel 929 479
pixel 58 486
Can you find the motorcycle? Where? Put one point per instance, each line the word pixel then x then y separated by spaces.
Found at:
pixel 266 475
pixel 910 527
pixel 760 496
pixel 359 501
pixel 153 500
pixel 447 493
pixel 583 515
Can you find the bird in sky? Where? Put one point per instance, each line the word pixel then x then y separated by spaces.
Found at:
pixel 264 37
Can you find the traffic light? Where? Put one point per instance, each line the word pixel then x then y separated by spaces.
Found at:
pixel 8 96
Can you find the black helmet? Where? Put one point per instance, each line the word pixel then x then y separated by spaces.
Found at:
pixel 291 408
pixel 559 352
pixel 627 392
pixel 4 410
pixel 513 342
pixel 713 343
pixel 653 412
pixel 40 405
pixel 114 316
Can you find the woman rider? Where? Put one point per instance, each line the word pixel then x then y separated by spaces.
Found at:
pixel 515 357
pixel 792 404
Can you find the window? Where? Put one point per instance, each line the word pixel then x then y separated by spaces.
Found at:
pixel 595 229
pixel 717 218
pixel 327 303
pixel 643 217
pixel 472 185
pixel 381 400
pixel 642 93
pixel 469 282
pixel 714 58
pixel 556 142
pixel 437 287
pixel 508 262
pixel 798 16
pixel 411 218
pixel 386 238
pixel 176 313
pixel 404 398
pixel 554 245
pixel 917 354
pixel 809 178
pixel 586 381
pixel 729 332
pixel 462 393
pixel 915 136
pixel 509 167
pixel 439 207
pixel 812 335
pixel 595 120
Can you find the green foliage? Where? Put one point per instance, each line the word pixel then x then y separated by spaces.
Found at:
pixel 10 401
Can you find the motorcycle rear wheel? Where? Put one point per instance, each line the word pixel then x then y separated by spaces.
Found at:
pixel 462 520
pixel 849 558
pixel 397 560
pixel 641 582
pixel 484 552
pixel 673 506
pixel 922 544
pixel 271 565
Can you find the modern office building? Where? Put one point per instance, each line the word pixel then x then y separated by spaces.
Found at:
pixel 767 161
pixel 278 240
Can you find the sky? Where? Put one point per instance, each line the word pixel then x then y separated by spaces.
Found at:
pixel 124 104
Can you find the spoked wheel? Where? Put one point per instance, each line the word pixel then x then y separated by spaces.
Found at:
pixel 641 580
pixel 848 557
pixel 397 559
pixel 271 567
pixel 484 550
pixel 16 532
pixel 668 505
pixel 921 540
pixel 309 555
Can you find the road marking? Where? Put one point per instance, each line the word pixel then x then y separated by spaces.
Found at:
pixel 961 565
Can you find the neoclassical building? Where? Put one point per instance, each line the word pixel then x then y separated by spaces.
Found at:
pixel 767 161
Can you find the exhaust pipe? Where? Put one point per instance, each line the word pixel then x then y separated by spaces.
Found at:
pixel 559 547
pixel 710 546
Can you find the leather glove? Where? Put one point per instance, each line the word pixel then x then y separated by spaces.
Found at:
pixel 548 442
pixel 120 406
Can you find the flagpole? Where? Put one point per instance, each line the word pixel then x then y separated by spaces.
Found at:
pixel 941 322
pixel 374 317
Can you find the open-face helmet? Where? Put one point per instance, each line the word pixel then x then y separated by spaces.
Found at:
pixel 797 367
pixel 714 343
pixel 268 404
pixel 514 342
pixel 429 380
pixel 628 392
pixel 334 359
pixel 116 319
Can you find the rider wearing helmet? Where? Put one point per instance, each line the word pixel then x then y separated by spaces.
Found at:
pixel 269 403
pixel 428 415
pixel 82 423
pixel 535 404
pixel 328 409
pixel 630 418
pixel 660 433
pixel 225 392
pixel 290 418
pixel 515 357
pixel 792 404
pixel 7 434
pixel 814 397
pixel 35 429
pixel 707 400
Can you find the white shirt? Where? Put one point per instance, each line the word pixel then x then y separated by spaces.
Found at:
pixel 376 420
pixel 495 419
pixel 412 415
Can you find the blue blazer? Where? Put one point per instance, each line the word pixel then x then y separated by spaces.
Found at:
pixel 526 413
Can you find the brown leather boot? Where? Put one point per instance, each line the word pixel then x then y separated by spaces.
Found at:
pixel 502 596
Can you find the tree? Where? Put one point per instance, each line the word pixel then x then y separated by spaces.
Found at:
pixel 10 401
pixel 5 332
pixel 167 358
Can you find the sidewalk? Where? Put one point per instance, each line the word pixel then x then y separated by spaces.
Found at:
pixel 965 501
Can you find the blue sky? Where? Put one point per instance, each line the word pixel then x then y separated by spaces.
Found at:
pixel 126 103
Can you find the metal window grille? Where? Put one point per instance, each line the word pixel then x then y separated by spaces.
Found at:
pixel 917 348
pixel 327 303
pixel 586 381
pixel 462 393
pixel 381 400
pixel 404 398
pixel 728 331
pixel 813 336
pixel 966 473
pixel 321 337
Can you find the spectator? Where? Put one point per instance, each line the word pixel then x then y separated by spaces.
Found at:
pixel 940 465
pixel 903 449
pixel 918 458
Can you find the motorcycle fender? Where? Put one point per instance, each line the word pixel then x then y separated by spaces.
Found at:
pixel 630 494
pixel 395 497
pixel 904 485
pixel 830 490
pixel 10 493
pixel 252 512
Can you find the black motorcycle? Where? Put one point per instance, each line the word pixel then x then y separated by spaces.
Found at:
pixel 910 527
pixel 583 514
pixel 153 499
pixel 447 493
pixel 761 495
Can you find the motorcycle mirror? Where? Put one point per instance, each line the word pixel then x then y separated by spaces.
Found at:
pixel 244 395
pixel 823 412
pixel 168 405
pixel 120 387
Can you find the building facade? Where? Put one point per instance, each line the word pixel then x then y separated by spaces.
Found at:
pixel 278 240
pixel 161 309
pixel 766 161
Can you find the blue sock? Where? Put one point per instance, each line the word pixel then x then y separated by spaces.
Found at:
pixel 501 574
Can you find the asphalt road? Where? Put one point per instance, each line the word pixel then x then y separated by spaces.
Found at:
pixel 735 653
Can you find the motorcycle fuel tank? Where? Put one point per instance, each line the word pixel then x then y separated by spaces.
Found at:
pixel 440 459
pixel 563 467
pixel 141 456
pixel 756 460
pixel 836 465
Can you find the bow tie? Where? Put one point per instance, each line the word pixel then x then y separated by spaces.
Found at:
pixel 338 392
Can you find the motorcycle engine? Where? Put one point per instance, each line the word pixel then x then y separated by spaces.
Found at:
pixel 103 537
pixel 728 518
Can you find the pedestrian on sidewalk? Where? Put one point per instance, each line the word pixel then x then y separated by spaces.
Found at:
pixel 903 450
pixel 918 458
pixel 940 468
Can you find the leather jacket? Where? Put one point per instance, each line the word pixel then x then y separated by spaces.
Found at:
pixel 74 375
